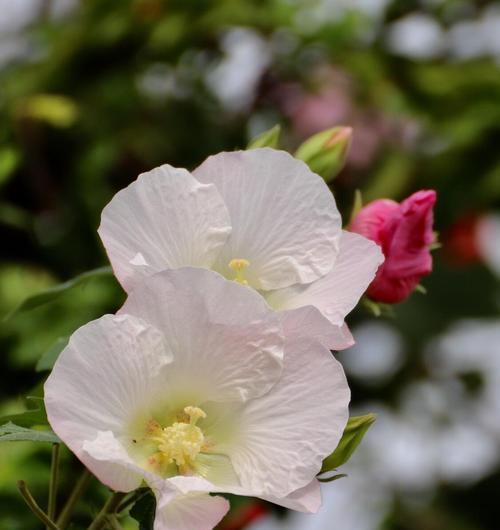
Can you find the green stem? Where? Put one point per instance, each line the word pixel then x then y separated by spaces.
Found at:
pixel 131 499
pixel 78 490
pixel 108 509
pixel 33 506
pixel 113 523
pixel 54 475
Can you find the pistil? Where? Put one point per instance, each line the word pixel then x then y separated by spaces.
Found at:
pixel 238 265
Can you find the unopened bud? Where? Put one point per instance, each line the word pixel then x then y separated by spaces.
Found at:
pixel 325 152
pixel 404 233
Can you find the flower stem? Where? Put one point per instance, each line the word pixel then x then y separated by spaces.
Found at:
pixel 108 509
pixel 54 475
pixel 113 523
pixel 131 499
pixel 33 506
pixel 78 490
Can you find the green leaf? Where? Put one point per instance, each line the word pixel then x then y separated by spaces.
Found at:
pixel 268 138
pixel 353 434
pixel 325 152
pixel 143 512
pixel 27 418
pixel 15 433
pixel 52 293
pixel 33 416
pixel 48 359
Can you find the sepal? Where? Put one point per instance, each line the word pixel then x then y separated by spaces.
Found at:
pixel 355 430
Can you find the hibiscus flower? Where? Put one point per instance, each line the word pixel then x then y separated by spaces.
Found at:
pixel 259 217
pixel 193 388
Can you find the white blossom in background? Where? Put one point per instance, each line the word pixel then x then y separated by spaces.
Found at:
pixel 377 355
pixel 421 36
pixel 478 37
pixel 258 217
pixel 15 44
pixel 417 35
pixel 472 347
pixel 234 78
pixel 193 388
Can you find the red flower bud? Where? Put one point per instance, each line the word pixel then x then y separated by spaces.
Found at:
pixel 404 231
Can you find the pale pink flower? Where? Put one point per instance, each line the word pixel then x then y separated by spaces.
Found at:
pixel 258 217
pixel 194 388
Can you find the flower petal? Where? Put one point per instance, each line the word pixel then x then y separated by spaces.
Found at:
pixel 194 511
pixel 284 218
pixel 217 469
pixel 165 219
pixel 370 220
pixel 111 464
pixel 337 293
pixel 182 502
pixel 185 484
pixel 306 499
pixel 307 321
pixel 100 380
pixel 285 434
pixel 227 342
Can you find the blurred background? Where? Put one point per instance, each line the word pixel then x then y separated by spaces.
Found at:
pixel 93 92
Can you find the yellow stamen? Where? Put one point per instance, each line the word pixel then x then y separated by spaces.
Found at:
pixel 239 265
pixel 178 444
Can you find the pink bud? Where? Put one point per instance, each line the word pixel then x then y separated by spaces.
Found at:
pixel 404 231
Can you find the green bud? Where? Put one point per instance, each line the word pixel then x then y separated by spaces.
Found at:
pixel 325 152
pixel 268 138
pixel 353 434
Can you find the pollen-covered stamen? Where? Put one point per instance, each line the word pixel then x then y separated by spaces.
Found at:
pixel 178 444
pixel 239 265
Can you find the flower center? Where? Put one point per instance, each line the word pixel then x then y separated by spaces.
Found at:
pixel 238 265
pixel 178 444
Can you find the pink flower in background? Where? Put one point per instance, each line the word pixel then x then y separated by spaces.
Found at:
pixel 330 100
pixel 404 232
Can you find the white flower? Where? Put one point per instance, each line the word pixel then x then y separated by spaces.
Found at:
pixel 259 217
pixel 193 388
